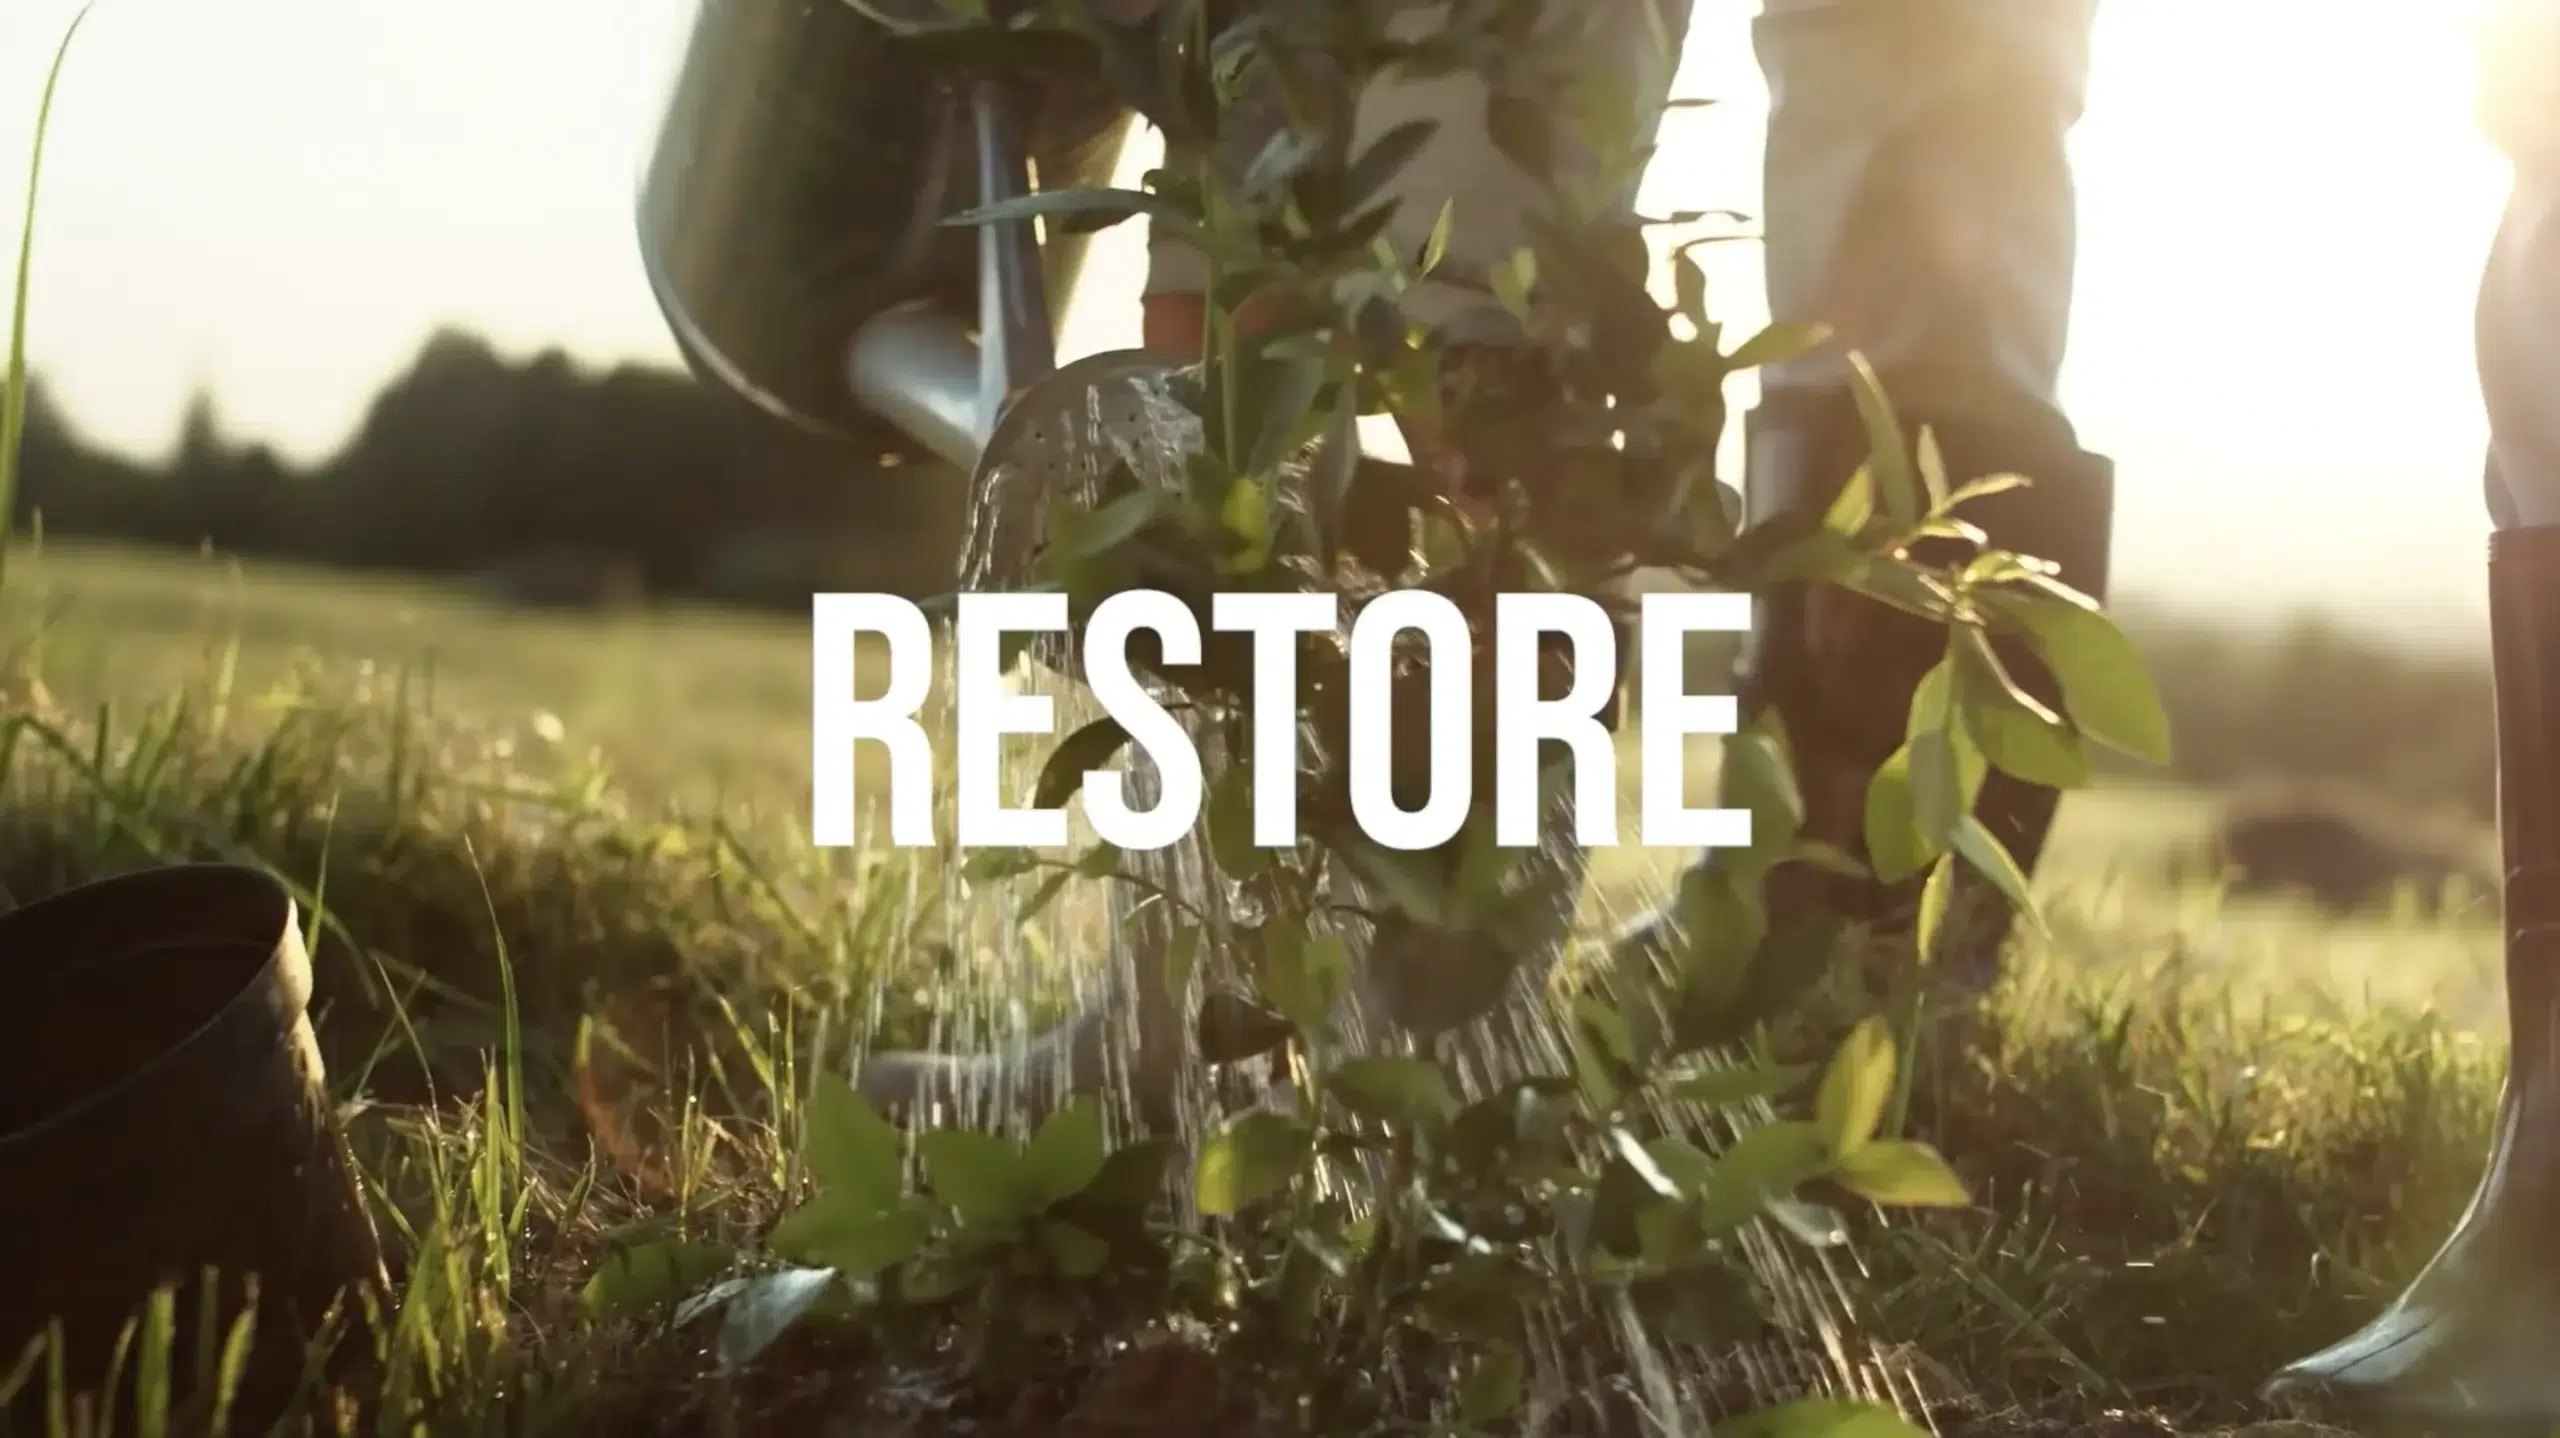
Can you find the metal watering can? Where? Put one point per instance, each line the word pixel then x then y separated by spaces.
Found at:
pixel 792 217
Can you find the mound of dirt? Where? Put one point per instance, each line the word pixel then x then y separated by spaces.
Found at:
pixel 2341 852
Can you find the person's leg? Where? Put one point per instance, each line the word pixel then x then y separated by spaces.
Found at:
pixel 2471 1339
pixel 1919 204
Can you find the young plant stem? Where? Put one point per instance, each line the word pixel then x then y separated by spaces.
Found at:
pixel 13 399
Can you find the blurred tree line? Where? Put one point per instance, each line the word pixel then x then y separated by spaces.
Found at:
pixel 538 479
pixel 544 483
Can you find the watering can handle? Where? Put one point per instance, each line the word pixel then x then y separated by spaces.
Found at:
pixel 1015 345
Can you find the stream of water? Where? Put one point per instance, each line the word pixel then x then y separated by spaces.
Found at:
pixel 1061 441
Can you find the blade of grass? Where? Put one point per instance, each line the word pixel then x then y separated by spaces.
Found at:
pixel 13 397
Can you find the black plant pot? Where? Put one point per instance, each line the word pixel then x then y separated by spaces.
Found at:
pixel 161 1115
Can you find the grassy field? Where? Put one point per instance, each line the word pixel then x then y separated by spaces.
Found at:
pixel 2205 1135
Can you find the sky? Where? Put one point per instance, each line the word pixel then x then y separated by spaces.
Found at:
pixel 2283 211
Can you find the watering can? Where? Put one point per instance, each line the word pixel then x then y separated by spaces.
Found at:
pixel 793 215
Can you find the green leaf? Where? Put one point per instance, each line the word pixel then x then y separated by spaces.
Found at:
pixel 1761 1167
pixel 1631 1185
pixel 1284 157
pixel 1301 977
pixel 1080 211
pixel 935 1277
pixel 651 1276
pixel 1777 344
pixel 1984 488
pixel 1286 402
pixel 2035 747
pixel 1493 1390
pixel 1934 898
pixel 1077 1254
pixel 1385 158
pixel 1933 468
pixel 1333 470
pixel 1810 1224
pixel 1232 1028
pixel 1068 1152
pixel 2011 727
pixel 1670 1235
pixel 1042 897
pixel 766 1307
pixel 1736 1085
pixel 1640 1159
pixel 988 866
pixel 13 392
pixel 1436 248
pixel 1886 458
pixel 856 1156
pixel 1513 281
pixel 1983 850
pixel 1853 506
pixel 1600 1023
pixel 1855 1087
pixel 1896 846
pixel 1712 519
pixel 1829 858
pixel 1328 967
pixel 1690 1168
pixel 1253 1157
pixel 1247 515
pixel 1722 924
pixel 1132 1182
pixel 857 1244
pixel 2104 686
pixel 1937 787
pixel 1712 1304
pixel 1410 1092
pixel 1945 770
pixel 1758 775
pixel 1899 1173
pixel 1100 531
pixel 1821 1418
pixel 982 1177
pixel 1475 890
pixel 1404 877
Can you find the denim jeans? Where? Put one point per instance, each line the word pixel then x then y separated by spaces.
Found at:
pixel 1919 200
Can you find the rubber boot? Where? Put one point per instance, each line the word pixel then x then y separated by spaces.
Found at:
pixel 1840 670
pixel 2471 1343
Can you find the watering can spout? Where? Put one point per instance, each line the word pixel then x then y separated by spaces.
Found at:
pixel 920 367
pixel 807 167
pixel 916 366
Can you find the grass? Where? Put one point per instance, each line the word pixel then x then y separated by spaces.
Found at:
pixel 2204 1136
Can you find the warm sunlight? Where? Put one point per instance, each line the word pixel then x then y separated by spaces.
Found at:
pixel 2283 209
pixel 2283 206
pixel 451 868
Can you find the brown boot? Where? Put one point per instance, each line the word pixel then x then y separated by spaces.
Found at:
pixel 2473 1340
